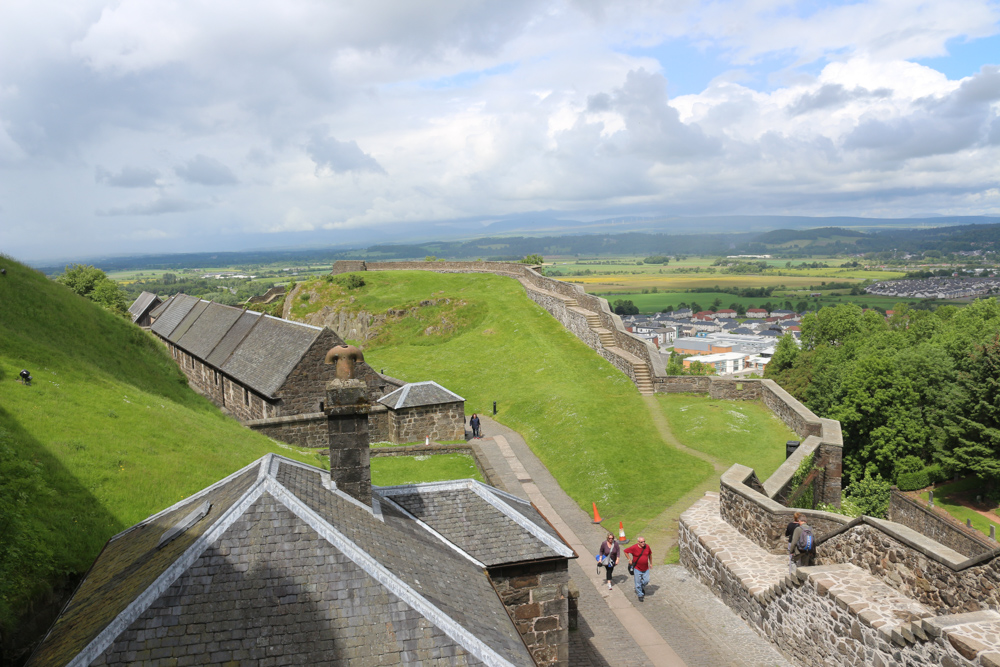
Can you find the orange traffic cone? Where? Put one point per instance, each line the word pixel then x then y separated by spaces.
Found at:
pixel 597 517
pixel 621 533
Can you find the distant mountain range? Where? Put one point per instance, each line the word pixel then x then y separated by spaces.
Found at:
pixel 548 234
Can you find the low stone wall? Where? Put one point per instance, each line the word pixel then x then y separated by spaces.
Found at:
pixel 917 566
pixel 536 597
pixel 829 614
pixel 308 430
pixel 938 525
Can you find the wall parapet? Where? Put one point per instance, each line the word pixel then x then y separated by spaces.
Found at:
pixel 938 525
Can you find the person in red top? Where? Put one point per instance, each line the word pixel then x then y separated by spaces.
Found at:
pixel 639 555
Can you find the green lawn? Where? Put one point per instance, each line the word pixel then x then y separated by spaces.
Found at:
pixel 744 432
pixel 109 422
pixel 943 500
pixel 485 340
pixel 395 470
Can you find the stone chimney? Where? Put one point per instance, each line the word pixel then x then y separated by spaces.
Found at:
pixel 347 406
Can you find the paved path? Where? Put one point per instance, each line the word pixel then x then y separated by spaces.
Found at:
pixel 681 623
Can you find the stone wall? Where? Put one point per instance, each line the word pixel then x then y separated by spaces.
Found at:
pixel 472 449
pixel 536 597
pixel 830 613
pixel 917 566
pixel 308 430
pixel 439 422
pixel 938 525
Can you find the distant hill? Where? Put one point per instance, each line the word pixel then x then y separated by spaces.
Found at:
pixel 107 434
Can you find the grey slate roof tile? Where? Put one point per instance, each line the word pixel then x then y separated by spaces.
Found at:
pixel 188 320
pixel 233 337
pixel 416 394
pixel 141 304
pixel 157 311
pixel 477 527
pixel 269 352
pixel 202 337
pixel 180 306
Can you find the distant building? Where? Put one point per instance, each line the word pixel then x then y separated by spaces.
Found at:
pixel 725 363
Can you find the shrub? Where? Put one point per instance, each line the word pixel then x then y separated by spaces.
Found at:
pixel 909 464
pixel 870 495
pixel 912 481
pixel 353 281
pixel 936 473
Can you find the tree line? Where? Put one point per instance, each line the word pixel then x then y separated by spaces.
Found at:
pixel 919 389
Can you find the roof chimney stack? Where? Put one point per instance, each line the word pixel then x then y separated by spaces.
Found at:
pixel 347 406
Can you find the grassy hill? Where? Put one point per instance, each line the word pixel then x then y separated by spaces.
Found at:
pixel 480 336
pixel 108 434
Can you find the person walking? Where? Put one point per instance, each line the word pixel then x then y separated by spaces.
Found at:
pixel 639 555
pixel 802 546
pixel 474 423
pixel 609 555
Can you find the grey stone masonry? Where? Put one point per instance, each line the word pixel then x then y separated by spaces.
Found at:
pixel 347 405
pixel 828 614
pixel 938 525
pixel 438 422
pixel 536 596
pixel 310 430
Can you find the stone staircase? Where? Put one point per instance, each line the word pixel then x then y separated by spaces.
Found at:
pixel 844 614
pixel 594 322
pixel 643 379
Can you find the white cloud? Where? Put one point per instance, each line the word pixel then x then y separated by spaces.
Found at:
pixel 334 115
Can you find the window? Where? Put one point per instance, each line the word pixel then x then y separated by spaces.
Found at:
pixel 246 396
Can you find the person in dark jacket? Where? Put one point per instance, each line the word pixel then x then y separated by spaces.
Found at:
pixel 800 557
pixel 474 423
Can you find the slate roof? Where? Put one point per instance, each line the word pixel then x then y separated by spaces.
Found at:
pixel 269 353
pixel 141 305
pixel 156 312
pixel 490 525
pixel 285 565
pixel 171 316
pixel 416 394
pixel 257 350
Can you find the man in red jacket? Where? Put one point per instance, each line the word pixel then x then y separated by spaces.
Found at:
pixel 639 555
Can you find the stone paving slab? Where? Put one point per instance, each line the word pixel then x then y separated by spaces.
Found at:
pixel 760 572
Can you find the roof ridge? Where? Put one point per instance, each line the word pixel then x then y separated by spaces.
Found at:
pixel 555 544
pixel 386 578
pixel 166 579
pixel 442 538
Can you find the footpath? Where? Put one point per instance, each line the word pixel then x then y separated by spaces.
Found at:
pixel 680 624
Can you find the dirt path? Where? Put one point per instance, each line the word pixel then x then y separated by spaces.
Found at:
pixel 286 308
pixel 661 532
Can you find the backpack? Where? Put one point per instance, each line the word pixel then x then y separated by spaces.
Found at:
pixel 806 541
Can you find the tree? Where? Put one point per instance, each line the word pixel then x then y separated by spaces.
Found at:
pixel 533 259
pixel 974 423
pixel 81 278
pixel 169 278
pixel 871 495
pixel 109 294
pixel 716 304
pixel 625 307
pixel 784 355
pixel 802 306
pixel 696 307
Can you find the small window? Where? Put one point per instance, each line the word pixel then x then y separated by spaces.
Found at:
pixel 246 396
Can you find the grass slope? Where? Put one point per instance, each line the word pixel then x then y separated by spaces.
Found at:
pixel 741 432
pixel 109 421
pixel 480 336
pixel 395 470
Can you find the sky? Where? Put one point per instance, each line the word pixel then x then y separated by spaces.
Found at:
pixel 135 126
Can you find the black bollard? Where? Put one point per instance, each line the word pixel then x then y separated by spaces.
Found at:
pixel 494 407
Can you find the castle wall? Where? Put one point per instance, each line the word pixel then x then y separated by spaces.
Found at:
pixel 537 599
pixel 305 430
pixel 939 526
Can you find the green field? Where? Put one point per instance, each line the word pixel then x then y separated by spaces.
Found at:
pixel 741 432
pixel 654 303
pixel 395 470
pixel 480 336
pixel 110 425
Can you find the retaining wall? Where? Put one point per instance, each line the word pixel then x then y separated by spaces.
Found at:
pixel 938 525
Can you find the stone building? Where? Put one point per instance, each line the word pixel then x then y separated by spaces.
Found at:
pixel 254 366
pixel 141 307
pixel 424 409
pixel 275 564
